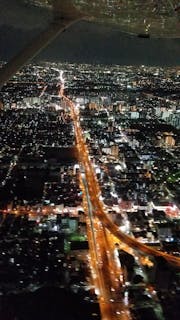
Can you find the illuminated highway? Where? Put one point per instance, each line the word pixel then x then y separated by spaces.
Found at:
pixel 106 275
pixel 95 192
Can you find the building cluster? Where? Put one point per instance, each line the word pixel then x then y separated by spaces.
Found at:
pixel 129 118
pixel 42 223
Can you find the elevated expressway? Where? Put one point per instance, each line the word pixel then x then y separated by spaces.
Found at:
pixel 95 192
pixel 65 14
pixel 106 272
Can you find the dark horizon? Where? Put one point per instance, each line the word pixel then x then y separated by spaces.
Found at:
pixel 94 44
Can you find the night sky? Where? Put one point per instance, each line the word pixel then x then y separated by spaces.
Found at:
pixel 84 42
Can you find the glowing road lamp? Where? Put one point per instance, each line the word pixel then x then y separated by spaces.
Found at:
pixel 139 17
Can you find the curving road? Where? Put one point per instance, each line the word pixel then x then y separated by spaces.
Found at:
pixel 106 282
pixel 94 192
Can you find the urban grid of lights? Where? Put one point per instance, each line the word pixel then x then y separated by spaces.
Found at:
pixel 95 192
